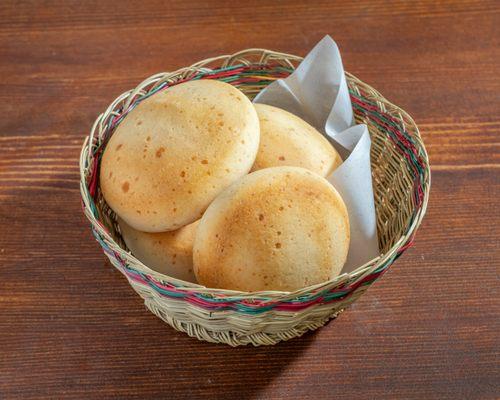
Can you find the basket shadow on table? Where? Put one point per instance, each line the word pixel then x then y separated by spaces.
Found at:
pixel 242 372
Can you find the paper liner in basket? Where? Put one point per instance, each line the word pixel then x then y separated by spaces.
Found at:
pixel 317 92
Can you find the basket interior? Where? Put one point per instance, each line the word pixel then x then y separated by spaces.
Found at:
pixel 398 158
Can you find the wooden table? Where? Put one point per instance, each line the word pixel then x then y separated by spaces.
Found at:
pixel 70 325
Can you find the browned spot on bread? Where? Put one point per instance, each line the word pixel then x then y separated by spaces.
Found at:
pixel 174 209
pixel 160 151
pixel 119 147
pixel 125 187
pixel 193 158
pixel 148 139
pixel 279 233
pixel 183 174
pixel 278 245
pixel 139 123
pixel 281 158
pixel 138 212
pixel 204 161
pixel 110 174
pixel 261 217
pixel 282 208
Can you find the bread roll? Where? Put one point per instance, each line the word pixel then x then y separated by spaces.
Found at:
pixel 279 228
pixel 286 139
pixel 176 151
pixel 170 253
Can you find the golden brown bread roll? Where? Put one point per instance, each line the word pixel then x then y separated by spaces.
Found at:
pixel 286 139
pixel 279 228
pixel 176 151
pixel 170 253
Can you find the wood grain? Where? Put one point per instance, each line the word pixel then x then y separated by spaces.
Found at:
pixel 71 327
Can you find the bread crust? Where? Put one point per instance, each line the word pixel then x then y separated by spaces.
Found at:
pixel 176 151
pixel 279 228
pixel 170 253
pixel 287 140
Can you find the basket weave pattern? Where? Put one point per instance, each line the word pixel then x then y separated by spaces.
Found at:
pixel 401 182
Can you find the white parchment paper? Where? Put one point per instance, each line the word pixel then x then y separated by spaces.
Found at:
pixel 317 92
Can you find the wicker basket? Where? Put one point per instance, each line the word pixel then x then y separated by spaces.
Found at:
pixel 401 177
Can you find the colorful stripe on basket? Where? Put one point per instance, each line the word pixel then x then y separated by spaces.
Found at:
pixel 257 305
pixel 240 304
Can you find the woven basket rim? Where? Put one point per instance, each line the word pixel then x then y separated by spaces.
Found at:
pixel 185 286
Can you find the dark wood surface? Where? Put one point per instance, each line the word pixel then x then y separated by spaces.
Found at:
pixel 70 325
